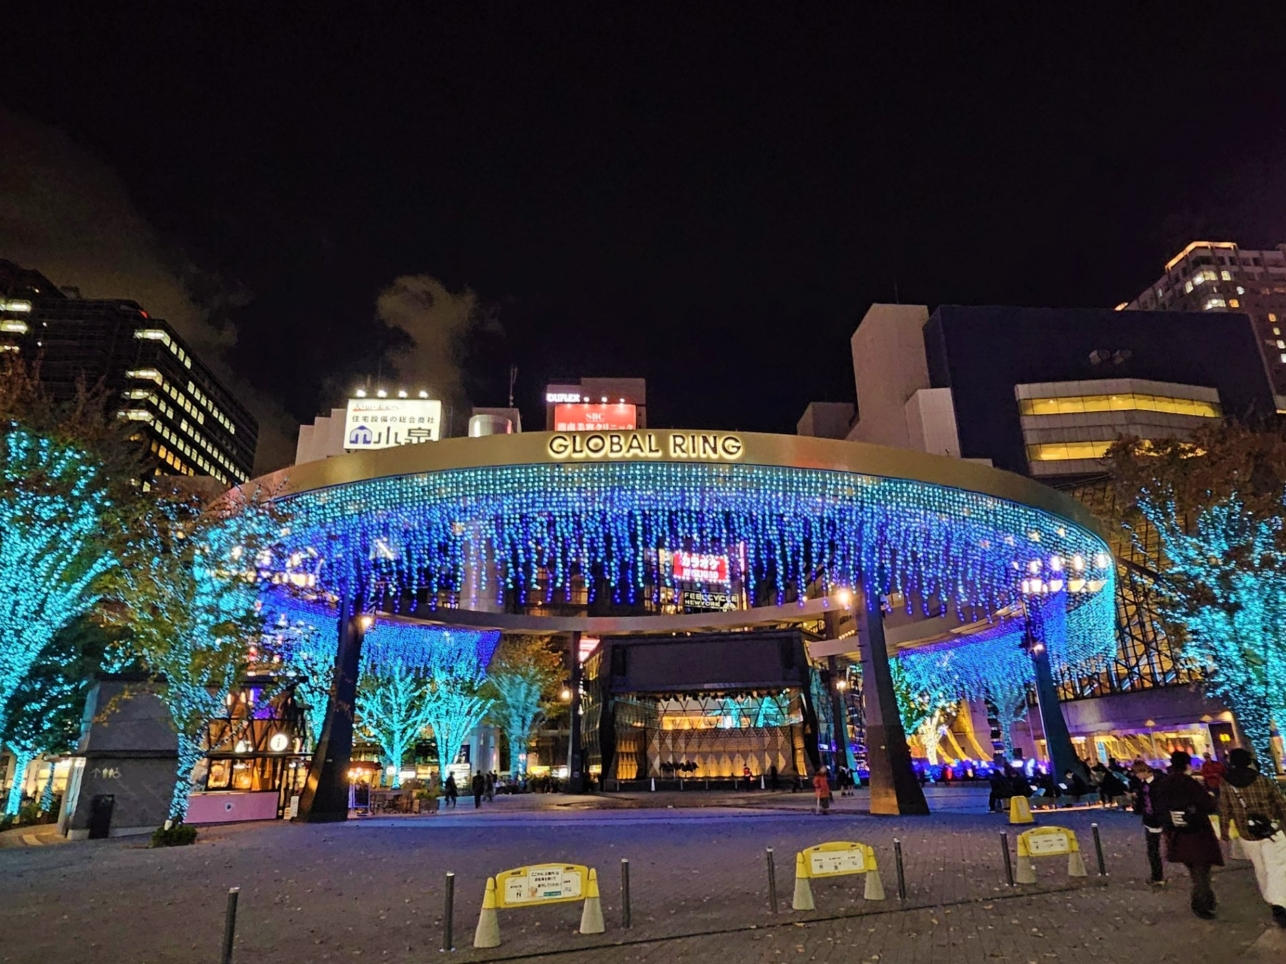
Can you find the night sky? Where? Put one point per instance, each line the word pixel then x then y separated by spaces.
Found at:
pixel 706 197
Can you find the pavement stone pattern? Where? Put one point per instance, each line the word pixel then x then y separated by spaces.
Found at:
pixel 373 890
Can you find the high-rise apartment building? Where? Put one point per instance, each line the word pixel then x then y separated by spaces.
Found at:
pixel 1220 276
pixel 194 426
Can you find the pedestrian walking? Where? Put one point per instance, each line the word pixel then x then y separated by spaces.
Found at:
pixel 1212 772
pixel 1190 840
pixel 490 787
pixel 822 788
pixel 452 791
pixel 772 776
pixel 479 786
pixel 745 773
pixel 1253 803
pixel 1153 824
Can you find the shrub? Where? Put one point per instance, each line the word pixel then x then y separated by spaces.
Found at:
pixel 177 835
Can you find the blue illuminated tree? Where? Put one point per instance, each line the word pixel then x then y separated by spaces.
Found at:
pixel 456 703
pixel 1216 503
pixel 522 681
pixel 44 712
pixel 188 598
pixel 393 709
pixel 302 638
pixel 65 489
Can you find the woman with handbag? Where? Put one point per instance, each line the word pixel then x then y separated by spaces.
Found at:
pixel 1252 802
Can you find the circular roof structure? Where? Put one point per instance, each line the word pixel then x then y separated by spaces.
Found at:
pixel 508 521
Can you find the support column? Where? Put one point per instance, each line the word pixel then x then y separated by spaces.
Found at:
pixel 575 756
pixel 894 787
pixel 839 717
pixel 325 796
pixel 1058 740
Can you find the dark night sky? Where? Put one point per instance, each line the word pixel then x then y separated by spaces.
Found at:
pixel 707 199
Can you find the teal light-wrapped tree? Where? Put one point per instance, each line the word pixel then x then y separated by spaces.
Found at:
pixel 393 709
pixel 189 600
pixel 456 703
pixel 522 681
pixel 45 711
pixel 1217 503
pixel 65 476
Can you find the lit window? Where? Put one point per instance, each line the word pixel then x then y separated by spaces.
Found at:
pixel 1280 343
pixel 135 415
pixel 1277 331
pixel 14 326
pixel 1234 303
pixel 1271 316
pixel 23 306
pixel 1063 451
pixel 153 334
pixel 148 374
pixel 1240 290
pixel 1284 359
pixel 1125 402
pixel 1199 280
pixel 1225 275
pixel 1213 303
pixel 1187 287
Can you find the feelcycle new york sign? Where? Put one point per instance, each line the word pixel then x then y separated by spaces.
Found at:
pixel 696 446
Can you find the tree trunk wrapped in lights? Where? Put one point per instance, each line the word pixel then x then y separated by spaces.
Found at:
pixel 1217 502
pixel 522 681
pixel 393 709
pixel 189 601
pixel 65 492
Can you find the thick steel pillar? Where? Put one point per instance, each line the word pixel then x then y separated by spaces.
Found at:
pixel 325 796
pixel 894 787
pixel 575 756
pixel 1058 740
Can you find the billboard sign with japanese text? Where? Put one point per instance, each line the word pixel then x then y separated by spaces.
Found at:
pixel 382 423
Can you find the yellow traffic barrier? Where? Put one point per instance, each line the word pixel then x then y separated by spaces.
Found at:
pixel 803 892
pixel 1048 842
pixel 1020 810
pixel 591 918
pixel 488 932
pixel 535 885
pixel 838 858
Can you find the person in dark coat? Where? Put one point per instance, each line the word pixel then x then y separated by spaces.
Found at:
pixel 451 790
pixel 479 787
pixel 1145 783
pixel 1074 786
pixel 1190 840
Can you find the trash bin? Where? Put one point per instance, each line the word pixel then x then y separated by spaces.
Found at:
pixel 100 816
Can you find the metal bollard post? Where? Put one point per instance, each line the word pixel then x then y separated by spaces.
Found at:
pixel 230 924
pixel 1009 865
pixel 448 914
pixel 897 858
pixel 625 893
pixel 1098 850
pixel 772 881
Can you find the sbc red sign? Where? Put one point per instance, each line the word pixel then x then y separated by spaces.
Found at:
pixel 618 417
pixel 699 567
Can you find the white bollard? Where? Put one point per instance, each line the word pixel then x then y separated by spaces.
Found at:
pixel 654 784
pixel 1026 871
pixel 1075 864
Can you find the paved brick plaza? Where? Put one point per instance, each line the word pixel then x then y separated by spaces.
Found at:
pixel 372 889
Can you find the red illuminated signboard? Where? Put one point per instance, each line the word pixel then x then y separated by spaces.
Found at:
pixel 618 417
pixel 697 567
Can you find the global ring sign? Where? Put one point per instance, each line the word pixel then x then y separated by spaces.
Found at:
pixel 695 446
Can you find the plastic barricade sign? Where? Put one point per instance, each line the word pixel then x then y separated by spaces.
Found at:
pixel 541 884
pixel 1047 842
pixel 839 857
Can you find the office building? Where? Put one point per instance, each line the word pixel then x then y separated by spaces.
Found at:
pixel 1044 393
pixel 194 425
pixel 1220 276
